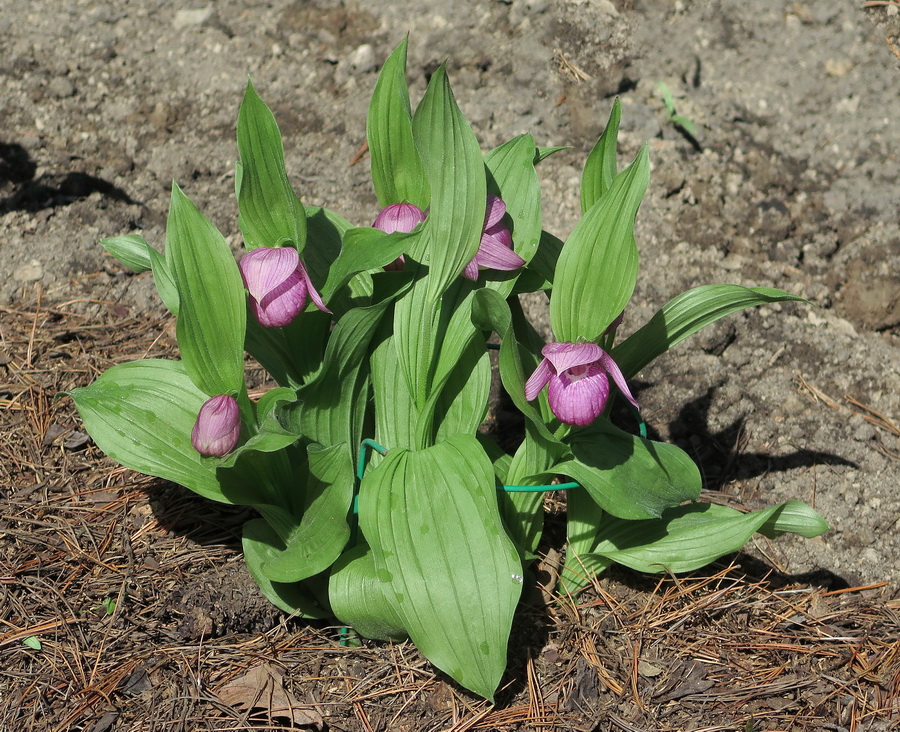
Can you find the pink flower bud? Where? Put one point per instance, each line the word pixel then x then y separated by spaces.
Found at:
pixel 403 217
pixel 218 426
pixel 278 284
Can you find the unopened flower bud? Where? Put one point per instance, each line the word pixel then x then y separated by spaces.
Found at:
pixel 218 426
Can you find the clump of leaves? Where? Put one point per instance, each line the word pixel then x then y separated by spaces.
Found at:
pixel 376 336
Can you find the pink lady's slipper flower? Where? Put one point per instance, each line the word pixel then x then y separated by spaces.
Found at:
pixel 218 427
pixel 402 217
pixel 495 250
pixel 278 284
pixel 578 375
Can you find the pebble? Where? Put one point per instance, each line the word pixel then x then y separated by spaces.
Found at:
pixel 363 58
pixel 60 87
pixel 192 18
pixel 31 272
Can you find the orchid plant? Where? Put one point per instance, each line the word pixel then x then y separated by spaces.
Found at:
pixel 377 338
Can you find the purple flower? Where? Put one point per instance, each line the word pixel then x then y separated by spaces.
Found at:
pixel 578 375
pixel 278 285
pixel 495 250
pixel 403 217
pixel 218 426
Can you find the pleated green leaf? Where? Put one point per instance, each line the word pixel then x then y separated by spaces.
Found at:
pixel 141 414
pixel 597 269
pixel 324 530
pixel 454 168
pixel 629 476
pixel 511 167
pixel 688 537
pixel 359 596
pixel 600 166
pixel 131 250
pixel 164 281
pixel 432 521
pixel 363 249
pixel 684 315
pixel 261 544
pixel 397 173
pixel 212 307
pixel 270 213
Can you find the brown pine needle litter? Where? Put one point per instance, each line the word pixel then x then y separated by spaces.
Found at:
pixel 125 604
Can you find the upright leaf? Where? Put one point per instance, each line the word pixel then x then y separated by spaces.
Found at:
pixel 455 590
pixel 600 167
pixel 212 305
pixel 397 172
pixel 455 172
pixel 597 270
pixel 270 213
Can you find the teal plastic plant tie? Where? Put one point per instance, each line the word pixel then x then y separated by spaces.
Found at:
pixel 361 460
pixel 642 425
pixel 537 488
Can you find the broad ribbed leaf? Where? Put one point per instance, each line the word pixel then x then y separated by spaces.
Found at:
pixel 395 411
pixel 212 305
pixel 597 269
pixel 688 537
pixel 583 516
pixel 432 521
pixel 359 596
pixel 397 173
pixel 270 213
pixel 141 414
pixel 463 402
pixel 455 170
pixel 131 250
pixel 324 530
pixel 629 476
pixel 260 545
pixel 165 283
pixel 291 355
pixel 363 249
pixel 684 315
pixel 600 167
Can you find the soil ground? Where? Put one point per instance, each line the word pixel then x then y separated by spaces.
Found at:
pixel 136 589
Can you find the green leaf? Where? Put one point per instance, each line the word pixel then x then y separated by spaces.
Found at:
pixel 600 167
pixel 542 269
pixel 511 168
pixel 33 642
pixel 396 415
pixel 629 476
pixel 261 544
pixel 583 517
pixel 131 250
pixel 688 537
pixel 364 249
pixel 291 355
pixel 397 173
pixel 165 282
pixel 542 153
pixel 360 597
pixel 141 414
pixel 597 270
pixel 270 213
pixel 212 305
pixel 684 315
pixel 455 171
pixel 463 402
pixel 454 590
pixel 326 229
pixel 491 312
pixel 324 530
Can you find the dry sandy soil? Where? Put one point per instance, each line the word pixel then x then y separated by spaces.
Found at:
pixel 791 182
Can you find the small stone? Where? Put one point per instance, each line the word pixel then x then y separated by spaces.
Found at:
pixel 192 18
pixel 61 88
pixel 31 272
pixel 363 58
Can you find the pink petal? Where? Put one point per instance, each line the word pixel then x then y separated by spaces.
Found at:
pixel 579 401
pixel 282 304
pixel 218 426
pixel 494 211
pixel 471 270
pixel 311 289
pixel 399 217
pixel 612 368
pixel 494 254
pixel 538 380
pixel 266 268
pixel 565 356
